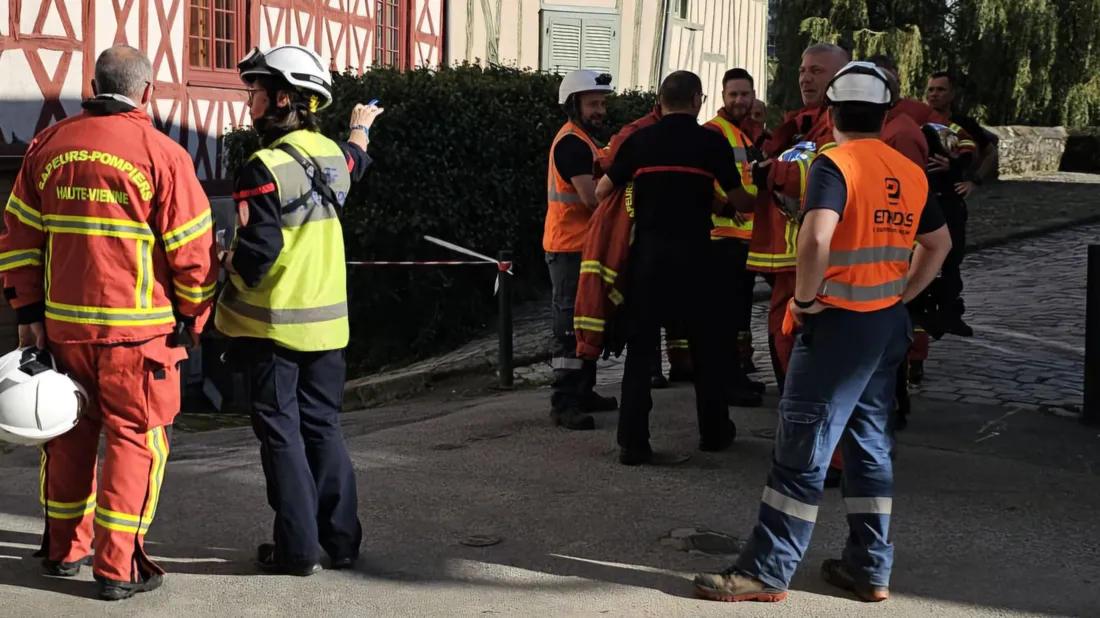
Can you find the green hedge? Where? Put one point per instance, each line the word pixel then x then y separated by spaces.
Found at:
pixel 459 154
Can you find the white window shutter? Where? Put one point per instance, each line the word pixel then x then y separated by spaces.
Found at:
pixel 600 45
pixel 562 45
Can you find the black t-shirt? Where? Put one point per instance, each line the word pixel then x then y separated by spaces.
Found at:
pixel 573 157
pixel 826 188
pixel 674 165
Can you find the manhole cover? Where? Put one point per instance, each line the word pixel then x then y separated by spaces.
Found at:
pixel 480 540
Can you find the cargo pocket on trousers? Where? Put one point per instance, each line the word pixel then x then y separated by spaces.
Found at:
pixel 161 383
pixel 798 436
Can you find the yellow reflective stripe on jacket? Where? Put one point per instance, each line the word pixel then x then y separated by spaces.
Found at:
pixel 24 213
pixel 739 153
pixel 590 324
pixel 963 143
pixel 11 260
pixel 98 226
pixel 188 231
pixel 110 316
pixel 194 294
pixel 143 287
pixel 592 267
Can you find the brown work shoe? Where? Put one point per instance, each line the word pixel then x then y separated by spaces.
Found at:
pixel 835 573
pixel 733 587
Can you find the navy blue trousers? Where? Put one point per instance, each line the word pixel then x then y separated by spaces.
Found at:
pixel 296 399
pixel 839 390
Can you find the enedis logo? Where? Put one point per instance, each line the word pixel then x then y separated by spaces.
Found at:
pixel 104 158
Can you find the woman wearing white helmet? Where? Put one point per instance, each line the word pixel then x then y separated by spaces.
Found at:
pixel 285 305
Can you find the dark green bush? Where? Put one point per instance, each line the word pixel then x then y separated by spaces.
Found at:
pixel 460 154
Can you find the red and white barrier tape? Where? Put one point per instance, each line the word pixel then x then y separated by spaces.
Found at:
pixel 502 267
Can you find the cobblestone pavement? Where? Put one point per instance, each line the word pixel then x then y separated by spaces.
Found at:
pixel 1004 208
pixel 1026 303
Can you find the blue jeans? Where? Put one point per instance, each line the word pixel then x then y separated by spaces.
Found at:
pixel 840 389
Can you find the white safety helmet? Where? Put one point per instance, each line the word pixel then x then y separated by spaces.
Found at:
pixel 578 82
pixel 301 67
pixel 37 402
pixel 860 82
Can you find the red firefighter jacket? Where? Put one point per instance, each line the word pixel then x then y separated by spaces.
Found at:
pixel 775 232
pixel 606 253
pixel 922 113
pixel 109 234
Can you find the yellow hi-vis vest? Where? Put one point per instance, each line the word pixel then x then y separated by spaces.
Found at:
pixel 301 303
pixel 725 227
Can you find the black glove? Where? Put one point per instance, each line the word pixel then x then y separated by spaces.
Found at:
pixel 753 153
pixel 760 175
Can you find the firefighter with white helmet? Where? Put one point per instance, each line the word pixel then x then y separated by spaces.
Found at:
pixel 571 199
pixel 284 307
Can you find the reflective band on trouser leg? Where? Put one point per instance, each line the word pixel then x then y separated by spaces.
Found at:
pixel 67 491
pixel 566 363
pixel 133 471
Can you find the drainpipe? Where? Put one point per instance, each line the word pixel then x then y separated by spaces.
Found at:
pixel 664 41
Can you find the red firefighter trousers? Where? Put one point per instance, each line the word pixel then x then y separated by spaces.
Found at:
pixel 782 292
pixel 134 392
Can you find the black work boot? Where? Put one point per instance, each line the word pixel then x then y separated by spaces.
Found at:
pixel 269 563
pixel 751 386
pixel 644 455
pixel 113 590
pixel 721 442
pixel 573 419
pixel 63 569
pixel 595 402
pixel 658 381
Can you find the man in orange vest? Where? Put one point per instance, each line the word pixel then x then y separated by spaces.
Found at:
pixel 730 238
pixel 108 260
pixel 571 198
pixel 865 205
pixel 780 181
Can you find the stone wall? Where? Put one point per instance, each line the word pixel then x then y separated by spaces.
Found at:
pixel 9 331
pixel 1082 151
pixel 1029 150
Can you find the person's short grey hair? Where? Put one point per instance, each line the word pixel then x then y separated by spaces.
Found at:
pixel 123 70
pixel 827 48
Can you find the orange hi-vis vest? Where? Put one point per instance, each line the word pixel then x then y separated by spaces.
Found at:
pixel 567 215
pixel 725 227
pixel 870 251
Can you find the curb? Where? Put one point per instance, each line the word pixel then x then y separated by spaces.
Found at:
pixel 376 390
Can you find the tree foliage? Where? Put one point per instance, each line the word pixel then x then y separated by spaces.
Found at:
pixel 1018 61
pixel 460 154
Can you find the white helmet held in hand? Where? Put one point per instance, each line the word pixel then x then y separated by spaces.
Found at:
pixel 301 67
pixel 37 403
pixel 578 82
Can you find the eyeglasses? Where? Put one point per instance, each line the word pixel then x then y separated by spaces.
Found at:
pixel 252 93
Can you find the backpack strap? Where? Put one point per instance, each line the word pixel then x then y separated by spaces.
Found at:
pixel 320 185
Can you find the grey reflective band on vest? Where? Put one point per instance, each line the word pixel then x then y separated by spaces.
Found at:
pixel 309 214
pixel 232 301
pixel 740 155
pixel 863 293
pixel 564 198
pixel 869 255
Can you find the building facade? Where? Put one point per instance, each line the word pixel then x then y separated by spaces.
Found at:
pixel 637 41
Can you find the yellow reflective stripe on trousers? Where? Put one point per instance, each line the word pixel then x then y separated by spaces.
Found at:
pixel 616 297
pixel 15 259
pixel 109 316
pixel 592 324
pixel 194 294
pixel 60 510
pixel 24 213
pixel 769 260
pixel 98 226
pixel 307 315
pixel 593 267
pixel 678 344
pixel 120 522
pixel 157 442
pixel 188 231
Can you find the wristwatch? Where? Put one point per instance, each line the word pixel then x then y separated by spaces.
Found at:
pixel 804 304
pixel 362 127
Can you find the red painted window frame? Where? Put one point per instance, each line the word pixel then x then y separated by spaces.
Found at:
pixel 402 10
pixel 240 36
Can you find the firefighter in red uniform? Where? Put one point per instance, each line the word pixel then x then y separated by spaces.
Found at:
pixel 780 182
pixel 108 261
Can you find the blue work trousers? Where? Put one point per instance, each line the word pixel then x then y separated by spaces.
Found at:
pixel 296 399
pixel 840 389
